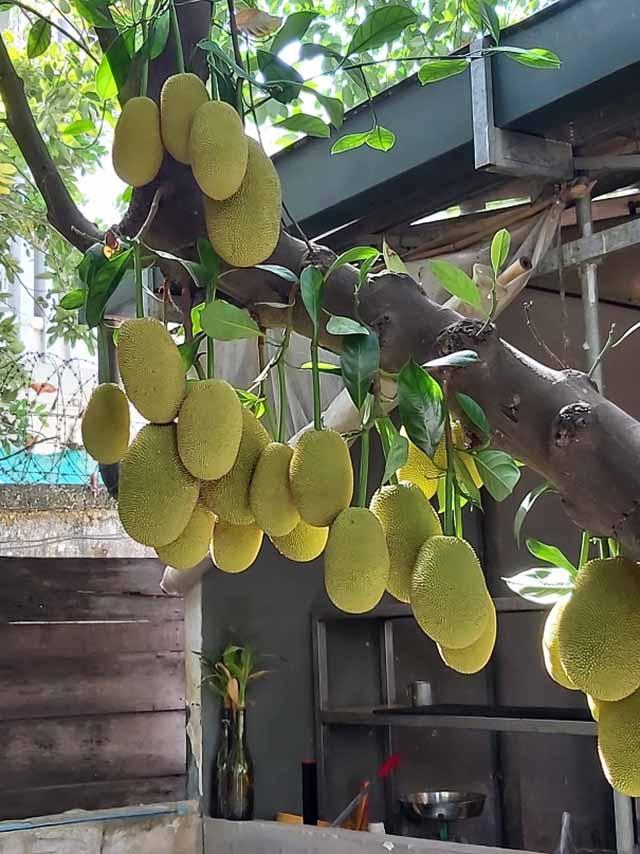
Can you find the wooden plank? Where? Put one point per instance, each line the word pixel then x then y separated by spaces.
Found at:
pixel 46 800
pixel 171 834
pixel 62 575
pixel 67 639
pixel 20 605
pixel 59 751
pixel 46 687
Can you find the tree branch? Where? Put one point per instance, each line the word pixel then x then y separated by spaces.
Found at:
pixel 62 212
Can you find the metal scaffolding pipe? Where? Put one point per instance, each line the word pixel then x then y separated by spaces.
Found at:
pixel 589 283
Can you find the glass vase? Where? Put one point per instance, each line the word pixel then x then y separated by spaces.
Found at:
pixel 240 773
pixel 221 768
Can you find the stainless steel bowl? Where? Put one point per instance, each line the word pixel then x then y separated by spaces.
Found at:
pixel 442 806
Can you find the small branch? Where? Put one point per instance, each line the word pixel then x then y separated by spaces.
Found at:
pixel 31 11
pixel 62 211
pixel 538 338
pixel 237 53
pixel 153 210
pixel 607 346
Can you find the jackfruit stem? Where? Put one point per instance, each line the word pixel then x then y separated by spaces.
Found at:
pixel 282 386
pixel 315 371
pixel 144 74
pixel 175 29
pixel 211 346
pixel 584 548
pixel 137 269
pixel 458 513
pixel 363 474
pixel 104 365
pixel 449 497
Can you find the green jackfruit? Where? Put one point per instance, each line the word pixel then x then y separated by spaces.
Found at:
pixel 137 151
pixel 303 544
pixel 156 494
pixel 599 629
pixel 356 561
pixel 218 150
pixel 105 424
pixel 426 473
pixel 472 659
pixel 180 98
pixel 321 476
pixel 408 520
pixel 244 229
pixel 550 649
pixel 619 744
pixel 594 707
pixel 209 429
pixel 270 494
pixel 234 548
pixel 449 595
pixel 192 545
pixel 151 369
pixel 228 497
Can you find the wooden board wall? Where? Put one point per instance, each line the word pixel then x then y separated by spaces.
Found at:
pixel 92 686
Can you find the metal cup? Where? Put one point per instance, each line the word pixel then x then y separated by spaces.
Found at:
pixel 419 693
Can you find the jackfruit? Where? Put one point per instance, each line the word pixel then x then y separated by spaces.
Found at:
pixel 473 658
pixel 137 151
pixel 209 429
pixel 619 744
pixel 228 497
pixel 244 229
pixel 594 707
pixel 105 424
pixel 426 472
pixel 156 494
pixel 550 649
pixel 321 476
pixel 408 520
pixel 151 369
pixel 270 494
pixel 599 629
pixel 303 544
pixel 180 98
pixel 449 596
pixel 356 561
pixel 192 545
pixel 218 150
pixel 235 547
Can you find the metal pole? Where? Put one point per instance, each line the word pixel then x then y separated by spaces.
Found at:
pixel 589 283
pixel 623 811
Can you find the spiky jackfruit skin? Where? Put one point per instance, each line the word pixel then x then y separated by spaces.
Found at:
pixel 244 229
pixel 234 548
pixel 270 494
pixel 180 98
pixel 303 544
pixel 218 150
pixel 151 369
pixel 106 424
pixel 594 707
pixel 192 545
pixel 156 494
pixel 599 629
pixel 356 561
pixel 137 151
pixel 210 429
pixel 474 658
pixel 619 744
pixel 449 595
pixel 550 650
pixel 426 472
pixel 408 520
pixel 321 476
pixel 228 497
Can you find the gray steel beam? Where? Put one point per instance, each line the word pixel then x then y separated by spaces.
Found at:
pixel 594 247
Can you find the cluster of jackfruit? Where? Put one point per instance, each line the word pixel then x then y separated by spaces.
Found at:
pixel 240 186
pixel 591 643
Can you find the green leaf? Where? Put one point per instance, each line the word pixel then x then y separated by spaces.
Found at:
pixel 398 448
pixel 338 325
pixel 550 554
pixel 114 67
pixel 535 57
pixel 333 106
pixel 349 141
pixel 323 367
pixel 525 505
pixel 158 36
pixel 421 405
pixel 312 291
pixel 352 256
pixel 90 11
pixel 456 282
pixel 365 269
pixel 381 26
pixel 465 480
pixel 541 585
pixel 102 278
pixel 304 123
pixel 208 258
pixel 490 19
pixel 360 360
pixel 78 127
pixel 225 322
pixel 293 29
pixel 39 38
pixel 106 86
pixel 474 412
pixel 459 359
pixel 440 69
pixel 393 262
pixel 500 246
pixel 283 272
pixel 189 350
pixel 499 473
pixel 282 81
pixel 381 139
pixel 73 299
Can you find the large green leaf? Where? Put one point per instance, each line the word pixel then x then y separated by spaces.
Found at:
pixel 500 246
pixel 499 473
pixel 338 325
pixel 360 360
pixel 293 29
pixel 93 11
pixel 421 405
pixel 159 30
pixel 534 57
pixel 352 256
pixel 101 277
pixel 115 65
pixel 304 123
pixel 440 69
pixel 465 480
pixel 474 412
pixel 73 300
pixel 459 359
pixel 312 291
pixel 550 554
pixel 541 585
pixel 525 506
pixel 225 322
pixel 396 447
pixel 381 138
pixel 349 141
pixel 39 38
pixel 381 26
pixel 189 350
pixel 456 282
pixel 281 79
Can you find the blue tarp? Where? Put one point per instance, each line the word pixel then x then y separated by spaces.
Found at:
pixel 68 467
